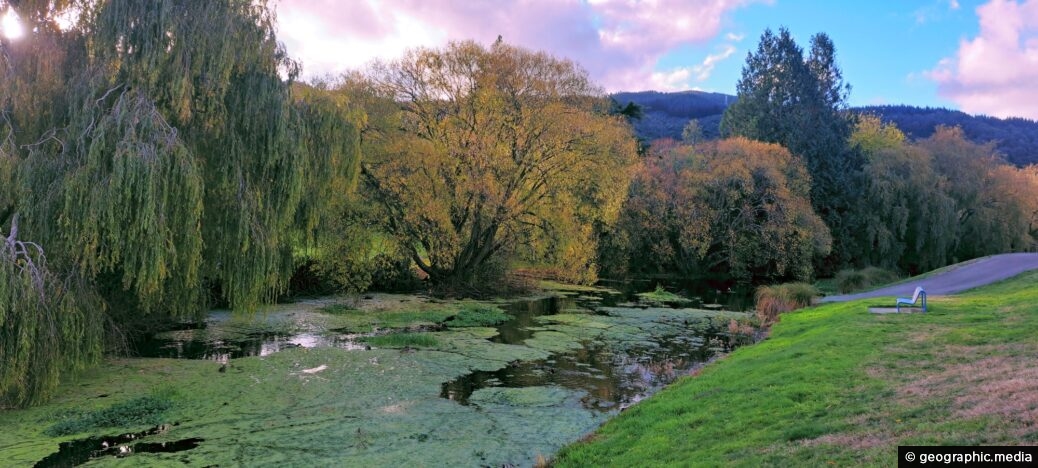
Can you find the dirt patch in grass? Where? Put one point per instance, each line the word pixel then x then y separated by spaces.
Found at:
pixel 1006 387
pixel 956 353
pixel 1003 386
pixel 855 441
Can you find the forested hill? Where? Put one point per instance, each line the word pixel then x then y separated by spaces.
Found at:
pixel 1015 137
pixel 666 114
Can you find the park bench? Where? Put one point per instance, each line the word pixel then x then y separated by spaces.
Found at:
pixel 919 292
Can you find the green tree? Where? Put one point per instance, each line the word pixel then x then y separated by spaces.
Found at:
pixel 692 133
pixel 488 154
pixel 774 90
pixel 910 221
pixel 155 150
pixel 801 104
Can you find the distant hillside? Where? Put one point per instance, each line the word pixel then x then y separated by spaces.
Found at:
pixel 666 114
pixel 1016 138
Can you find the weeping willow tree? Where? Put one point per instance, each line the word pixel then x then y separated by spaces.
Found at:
pixel 909 218
pixel 155 151
pixel 48 324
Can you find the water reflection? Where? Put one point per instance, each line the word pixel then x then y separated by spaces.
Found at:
pixel 80 451
pixel 611 378
pixel 253 344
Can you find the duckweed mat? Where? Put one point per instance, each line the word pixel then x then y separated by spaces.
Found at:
pixel 545 379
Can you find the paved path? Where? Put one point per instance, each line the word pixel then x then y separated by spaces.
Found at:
pixel 971 275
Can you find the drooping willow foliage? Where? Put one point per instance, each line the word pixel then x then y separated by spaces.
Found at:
pixel 47 325
pixel 157 151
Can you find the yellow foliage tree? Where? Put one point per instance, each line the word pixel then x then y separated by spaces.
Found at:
pixel 735 208
pixel 755 198
pixel 994 201
pixel 485 154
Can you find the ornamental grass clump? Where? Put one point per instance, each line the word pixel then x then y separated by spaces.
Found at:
pixel 781 298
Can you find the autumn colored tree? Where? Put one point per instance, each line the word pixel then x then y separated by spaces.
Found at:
pixel 648 238
pixel 994 202
pixel 154 151
pixel 940 200
pixel 482 154
pixel 735 208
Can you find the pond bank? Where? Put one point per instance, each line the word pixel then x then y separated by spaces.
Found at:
pixel 836 385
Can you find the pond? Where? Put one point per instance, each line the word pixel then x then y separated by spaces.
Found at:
pixel 611 378
pixel 301 385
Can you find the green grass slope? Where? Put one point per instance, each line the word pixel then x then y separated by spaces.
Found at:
pixel 835 385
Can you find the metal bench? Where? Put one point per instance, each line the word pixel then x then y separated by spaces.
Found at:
pixel 919 292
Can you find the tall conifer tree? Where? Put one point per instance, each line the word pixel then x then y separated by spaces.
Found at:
pixel 801 103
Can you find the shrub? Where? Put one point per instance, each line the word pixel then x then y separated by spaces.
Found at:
pixel 878 276
pixel 850 280
pixel 393 273
pixel 856 280
pixel 741 332
pixel 308 280
pixel 781 298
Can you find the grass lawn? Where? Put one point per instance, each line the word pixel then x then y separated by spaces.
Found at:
pixel 835 385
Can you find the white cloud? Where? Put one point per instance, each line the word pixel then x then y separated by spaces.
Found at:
pixel 619 42
pixel 937 10
pixel 673 80
pixel 995 73
pixel 703 70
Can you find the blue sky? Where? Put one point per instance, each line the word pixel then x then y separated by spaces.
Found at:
pixel 980 56
pixel 885 48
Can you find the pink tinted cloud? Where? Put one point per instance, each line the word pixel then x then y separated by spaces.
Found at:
pixel 995 73
pixel 618 41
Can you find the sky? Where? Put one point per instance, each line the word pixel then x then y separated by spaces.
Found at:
pixel 980 56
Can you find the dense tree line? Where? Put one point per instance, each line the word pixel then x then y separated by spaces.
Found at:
pixel 1016 138
pixel 684 105
pixel 664 115
pixel 940 200
pixel 880 199
pixel 160 156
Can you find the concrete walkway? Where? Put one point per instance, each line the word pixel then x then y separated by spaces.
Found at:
pixel 983 271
